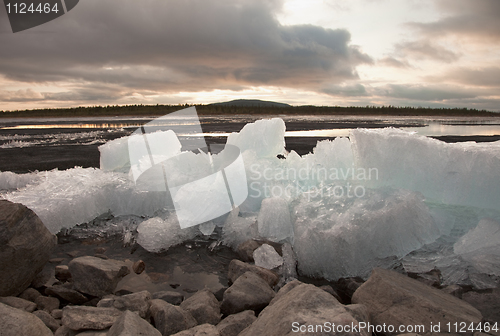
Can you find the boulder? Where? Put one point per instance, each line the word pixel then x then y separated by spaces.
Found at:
pixel 170 319
pixel 135 302
pixel 30 294
pixel 47 303
pixel 302 307
pixel 130 324
pixel 83 317
pixel 169 296
pixel 238 268
pixel 95 276
pixel 204 307
pixel 249 291
pixel 48 320
pixel 67 294
pixel 488 303
pixel 201 330
pixel 245 250
pixel 15 322
pixel 25 247
pixel 18 303
pixel 62 273
pixel 395 299
pixel 236 323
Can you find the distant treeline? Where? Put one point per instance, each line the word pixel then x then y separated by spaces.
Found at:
pixel 154 110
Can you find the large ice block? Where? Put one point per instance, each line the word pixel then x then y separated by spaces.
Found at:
pixel 465 173
pixel 265 137
pixel 338 237
pixel 274 220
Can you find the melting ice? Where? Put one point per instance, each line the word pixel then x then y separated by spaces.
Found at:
pixel 354 203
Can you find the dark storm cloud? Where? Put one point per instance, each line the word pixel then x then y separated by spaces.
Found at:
pixel 477 19
pixel 170 46
pixel 356 90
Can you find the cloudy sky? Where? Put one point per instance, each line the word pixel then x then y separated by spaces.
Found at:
pixel 438 53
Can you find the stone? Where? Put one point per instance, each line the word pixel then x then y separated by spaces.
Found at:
pixel 67 294
pixel 245 250
pixel 130 324
pixel 48 320
pixel 347 286
pixel 201 330
pixel 44 278
pixel 303 305
pixel 249 291
pixel 135 302
pixel 47 303
pixel 30 294
pixel 238 268
pixel 172 297
pixel 62 273
pixel 25 247
pixel 236 323
pixel 455 290
pixel 138 267
pixel 96 277
pixel 64 331
pixel 94 333
pixel 57 314
pixel 83 317
pixel 204 307
pixel 18 303
pixel 396 299
pixel 285 289
pixel 15 322
pixel 329 289
pixel 170 319
pixel 488 303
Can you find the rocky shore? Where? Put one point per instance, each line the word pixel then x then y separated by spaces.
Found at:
pixel 87 293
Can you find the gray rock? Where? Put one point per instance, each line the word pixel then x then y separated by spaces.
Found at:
pixel 67 294
pixel 245 250
pixel 201 330
pixel 249 291
pixel 170 319
pixel 135 302
pixel 25 247
pixel 454 290
pixel 18 303
pixel 329 289
pixel 16 322
pixel 62 272
pixel 303 305
pixel 94 333
pixel 204 307
pixel 44 278
pixel 47 303
pixel 238 268
pixel 30 294
pixel 488 303
pixel 139 266
pixel 169 296
pixel 48 320
pixel 83 317
pixel 285 289
pixel 56 313
pixel 236 323
pixel 130 324
pixel 64 331
pixel 395 299
pixel 96 277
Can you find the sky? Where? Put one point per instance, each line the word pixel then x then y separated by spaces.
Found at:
pixel 429 53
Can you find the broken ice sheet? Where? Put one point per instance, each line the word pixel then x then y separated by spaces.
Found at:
pixel 267 257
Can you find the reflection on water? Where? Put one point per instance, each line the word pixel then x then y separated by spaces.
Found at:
pixel 436 127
